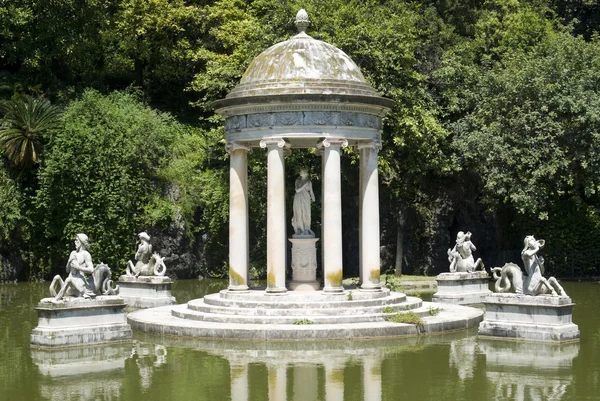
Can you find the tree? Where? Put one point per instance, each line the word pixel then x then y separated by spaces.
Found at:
pixel 26 120
pixel 533 136
pixel 100 175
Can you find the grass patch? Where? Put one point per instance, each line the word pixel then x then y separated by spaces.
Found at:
pixel 303 322
pixel 390 309
pixel 406 317
pixel 349 295
pixel 434 311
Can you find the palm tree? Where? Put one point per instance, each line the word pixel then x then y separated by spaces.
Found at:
pixel 25 121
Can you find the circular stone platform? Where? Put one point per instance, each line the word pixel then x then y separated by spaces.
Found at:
pixel 302 315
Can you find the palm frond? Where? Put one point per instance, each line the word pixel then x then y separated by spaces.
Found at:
pixel 24 123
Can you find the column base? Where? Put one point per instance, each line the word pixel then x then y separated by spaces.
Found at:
pixel 370 287
pixel 276 291
pixel 333 290
pixel 238 288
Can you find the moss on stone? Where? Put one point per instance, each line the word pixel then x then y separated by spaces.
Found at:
pixel 235 278
pixel 271 282
pixel 335 278
pixel 374 276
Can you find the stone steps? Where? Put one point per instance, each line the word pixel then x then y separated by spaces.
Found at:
pixel 343 316
pixel 258 307
pixel 313 301
pixel 162 321
pixel 350 308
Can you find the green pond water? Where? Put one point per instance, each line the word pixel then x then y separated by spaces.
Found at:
pixel 453 366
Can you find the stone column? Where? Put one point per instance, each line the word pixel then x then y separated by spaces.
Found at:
pixel 370 264
pixel 276 224
pixel 332 215
pixel 238 217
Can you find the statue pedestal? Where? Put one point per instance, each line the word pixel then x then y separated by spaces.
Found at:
pixel 79 321
pixel 304 263
pixel 146 291
pixel 462 288
pixel 527 317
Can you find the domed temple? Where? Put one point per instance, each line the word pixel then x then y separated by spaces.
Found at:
pixel 303 94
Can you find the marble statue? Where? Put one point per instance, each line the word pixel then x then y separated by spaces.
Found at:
pixel 510 275
pixel 461 256
pixel 79 266
pixel 147 263
pixel 302 199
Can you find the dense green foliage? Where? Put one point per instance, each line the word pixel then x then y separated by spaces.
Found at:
pixel 495 127
pixel 10 212
pixel 99 174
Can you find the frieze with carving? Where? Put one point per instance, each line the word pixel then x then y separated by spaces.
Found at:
pixel 235 123
pixel 348 119
pixel 288 118
pixel 299 118
pixel 260 120
pixel 370 121
pixel 319 118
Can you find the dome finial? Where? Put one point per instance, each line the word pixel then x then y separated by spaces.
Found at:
pixel 302 20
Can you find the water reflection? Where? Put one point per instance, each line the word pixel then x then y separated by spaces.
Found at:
pixel 528 371
pixel 371 370
pixel 82 373
pixel 154 368
pixel 148 357
pixel 462 357
pixel 325 370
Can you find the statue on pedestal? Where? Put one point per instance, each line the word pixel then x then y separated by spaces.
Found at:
pixel 79 267
pixel 147 263
pixel 302 199
pixel 510 275
pixel 461 256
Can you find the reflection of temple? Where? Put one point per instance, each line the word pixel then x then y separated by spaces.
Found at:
pixel 298 371
pixel 528 371
pixel 310 375
pixel 82 373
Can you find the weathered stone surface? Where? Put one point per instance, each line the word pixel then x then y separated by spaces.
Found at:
pixel 258 315
pixel 146 291
pixel 462 288
pixel 304 264
pixel 78 321
pixel 461 256
pixel 526 317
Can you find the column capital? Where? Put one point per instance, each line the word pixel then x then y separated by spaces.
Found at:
pixel 279 142
pixel 372 144
pixel 327 142
pixel 233 146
